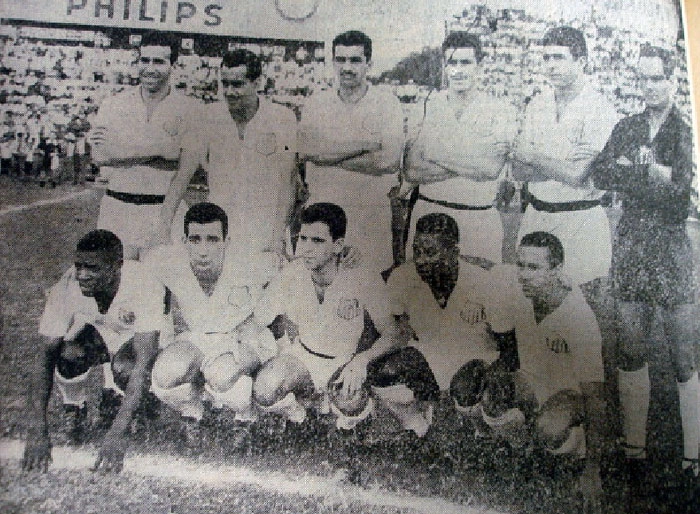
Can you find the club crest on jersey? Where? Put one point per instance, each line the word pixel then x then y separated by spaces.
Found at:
pixel 349 308
pixel 556 343
pixel 266 143
pixel 239 296
pixel 172 127
pixel 126 317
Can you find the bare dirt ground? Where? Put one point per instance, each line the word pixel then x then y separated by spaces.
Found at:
pixel 36 245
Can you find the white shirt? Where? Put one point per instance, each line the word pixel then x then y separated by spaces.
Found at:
pixel 561 351
pixel 138 307
pixel 446 340
pixel 377 116
pixel 245 176
pixel 333 327
pixel 486 121
pixel 125 116
pixel 237 290
pixel 586 121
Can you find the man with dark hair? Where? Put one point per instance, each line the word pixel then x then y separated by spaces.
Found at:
pixel 648 160
pixel 354 38
pixel 558 389
pixel 248 148
pixel 352 139
pixel 460 151
pixel 548 241
pixel 162 39
pixel 220 347
pixel 569 37
pixel 325 307
pixel 101 310
pixel 136 138
pixel 563 129
pixel 441 298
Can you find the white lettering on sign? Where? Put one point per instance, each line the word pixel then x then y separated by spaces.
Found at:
pixel 151 11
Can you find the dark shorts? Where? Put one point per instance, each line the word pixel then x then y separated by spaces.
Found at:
pixel 652 263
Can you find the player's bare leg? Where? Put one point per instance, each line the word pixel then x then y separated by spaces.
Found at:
pixel 681 332
pixel 279 385
pixel 176 381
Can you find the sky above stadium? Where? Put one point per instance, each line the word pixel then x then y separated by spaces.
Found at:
pixel 398 27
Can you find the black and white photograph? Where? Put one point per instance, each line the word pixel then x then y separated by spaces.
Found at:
pixel 349 257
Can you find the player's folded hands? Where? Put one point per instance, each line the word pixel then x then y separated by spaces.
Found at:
pixel 582 152
pixel 97 135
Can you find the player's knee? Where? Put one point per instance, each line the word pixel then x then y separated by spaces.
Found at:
pixel 467 384
pixel 222 373
pixel 121 370
pixel 267 387
pixel 408 367
pixel 349 405
pixel 685 368
pixel 556 417
pixel 630 358
pixel 72 360
pixel 171 369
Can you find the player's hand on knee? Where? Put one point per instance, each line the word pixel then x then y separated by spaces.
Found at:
pixel 352 377
pixel 110 458
pixel 37 452
pixel 592 489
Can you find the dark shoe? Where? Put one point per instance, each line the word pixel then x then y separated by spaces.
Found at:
pixel 110 402
pixel 74 421
pixel 639 477
pixel 686 497
pixel 231 433
pixel 192 434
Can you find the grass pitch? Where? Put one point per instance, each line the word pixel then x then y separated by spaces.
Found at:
pixel 451 470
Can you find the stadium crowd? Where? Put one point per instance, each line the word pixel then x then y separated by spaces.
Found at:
pixel 286 293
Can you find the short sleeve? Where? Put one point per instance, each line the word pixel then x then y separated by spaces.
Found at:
pixel 149 302
pixel 599 123
pixel 270 303
pixel 286 130
pixel 396 292
pixel 196 135
pixel 501 296
pixel 56 317
pixel 376 301
pixel 393 136
pixel 105 113
pixel 584 330
pixel 506 123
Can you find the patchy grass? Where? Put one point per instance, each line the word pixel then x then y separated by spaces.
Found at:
pixel 37 246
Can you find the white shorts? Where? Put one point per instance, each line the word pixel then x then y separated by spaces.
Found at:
pixel 480 231
pixel 134 224
pixel 320 368
pixel 585 236
pixel 446 359
pixel 214 345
